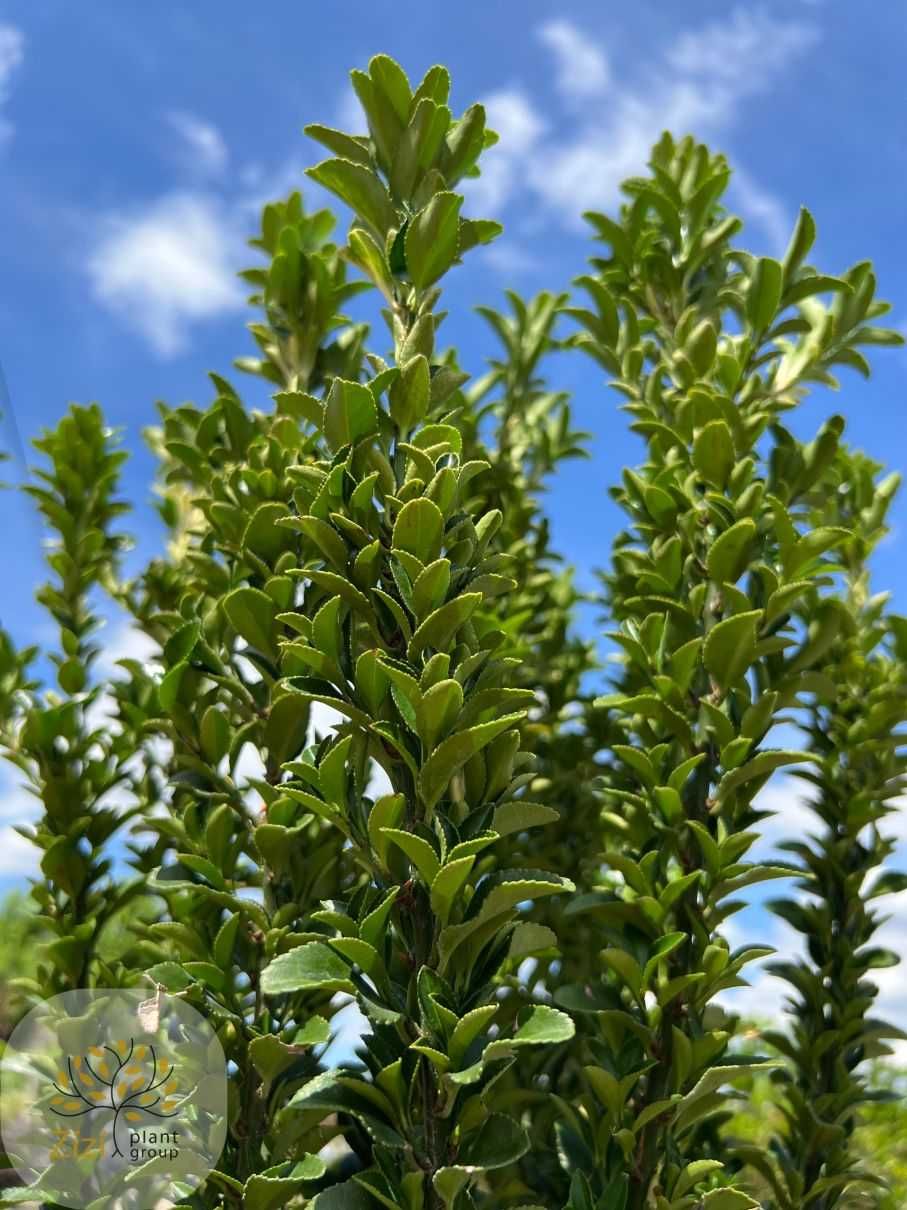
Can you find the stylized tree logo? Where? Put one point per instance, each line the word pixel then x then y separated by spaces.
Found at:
pixel 123 1078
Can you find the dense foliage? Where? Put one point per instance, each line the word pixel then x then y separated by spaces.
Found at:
pixel 365 765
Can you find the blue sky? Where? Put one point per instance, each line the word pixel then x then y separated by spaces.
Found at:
pixel 138 141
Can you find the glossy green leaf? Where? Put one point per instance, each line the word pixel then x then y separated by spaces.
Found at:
pixel 432 239
pixel 313 965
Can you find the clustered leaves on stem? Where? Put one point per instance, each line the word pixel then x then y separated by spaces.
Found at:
pixel 709 346
pixel 365 759
pixel 855 729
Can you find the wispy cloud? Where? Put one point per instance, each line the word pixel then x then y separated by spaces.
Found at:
pixel 203 145
pixel 12 52
pixel 765 999
pixel 699 83
pixel 582 67
pixel 761 206
pixel 513 117
pixel 165 266
pixel 722 49
pixel 169 264
pixel 19 858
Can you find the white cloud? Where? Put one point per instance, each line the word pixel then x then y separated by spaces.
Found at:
pixel 722 49
pixel 511 115
pixel 168 265
pixel 582 67
pixel 510 258
pixel 19 858
pixel 202 141
pixel 17 805
pixel 787 797
pixel 12 52
pixel 698 85
pixel 126 642
pixel 765 999
pixel 762 207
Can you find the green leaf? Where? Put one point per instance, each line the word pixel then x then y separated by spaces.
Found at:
pixel 499 1141
pixel 728 1199
pixel 626 968
pixel 335 1093
pixel 365 251
pixel 346 1196
pixel 519 816
pixel 713 452
pixel 464 143
pixel 169 689
pixel 447 884
pixel 270 1056
pixel 729 553
pixel 475 231
pixel 263 536
pixel 390 79
pixel 455 751
pixel 701 347
pixel 760 766
pixel 307 966
pixel 438 710
pixel 763 297
pixel 343 145
pixel 419 851
pixel 811 546
pixel 811 284
pixel 385 814
pixel 801 241
pixel 730 647
pixel 360 953
pixel 275 1186
pixel 418 529
pixel 171 976
pixel 544 1026
pixel 449 1183
pixel 440 627
pixel 653 1110
pixel 326 539
pixel 372 928
pixel 715 1077
pixel 419 145
pixel 225 941
pixel 181 643
pixel 349 414
pixel 214 733
pixel 889 883
pixel 360 188
pixel 71 674
pixel 432 239
pixel 529 938
pixel 251 613
pixel 467 1030
pixel 504 889
pixel 693 1173
pixel 496 897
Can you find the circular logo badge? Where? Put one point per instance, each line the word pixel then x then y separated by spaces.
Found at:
pixel 111 1099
